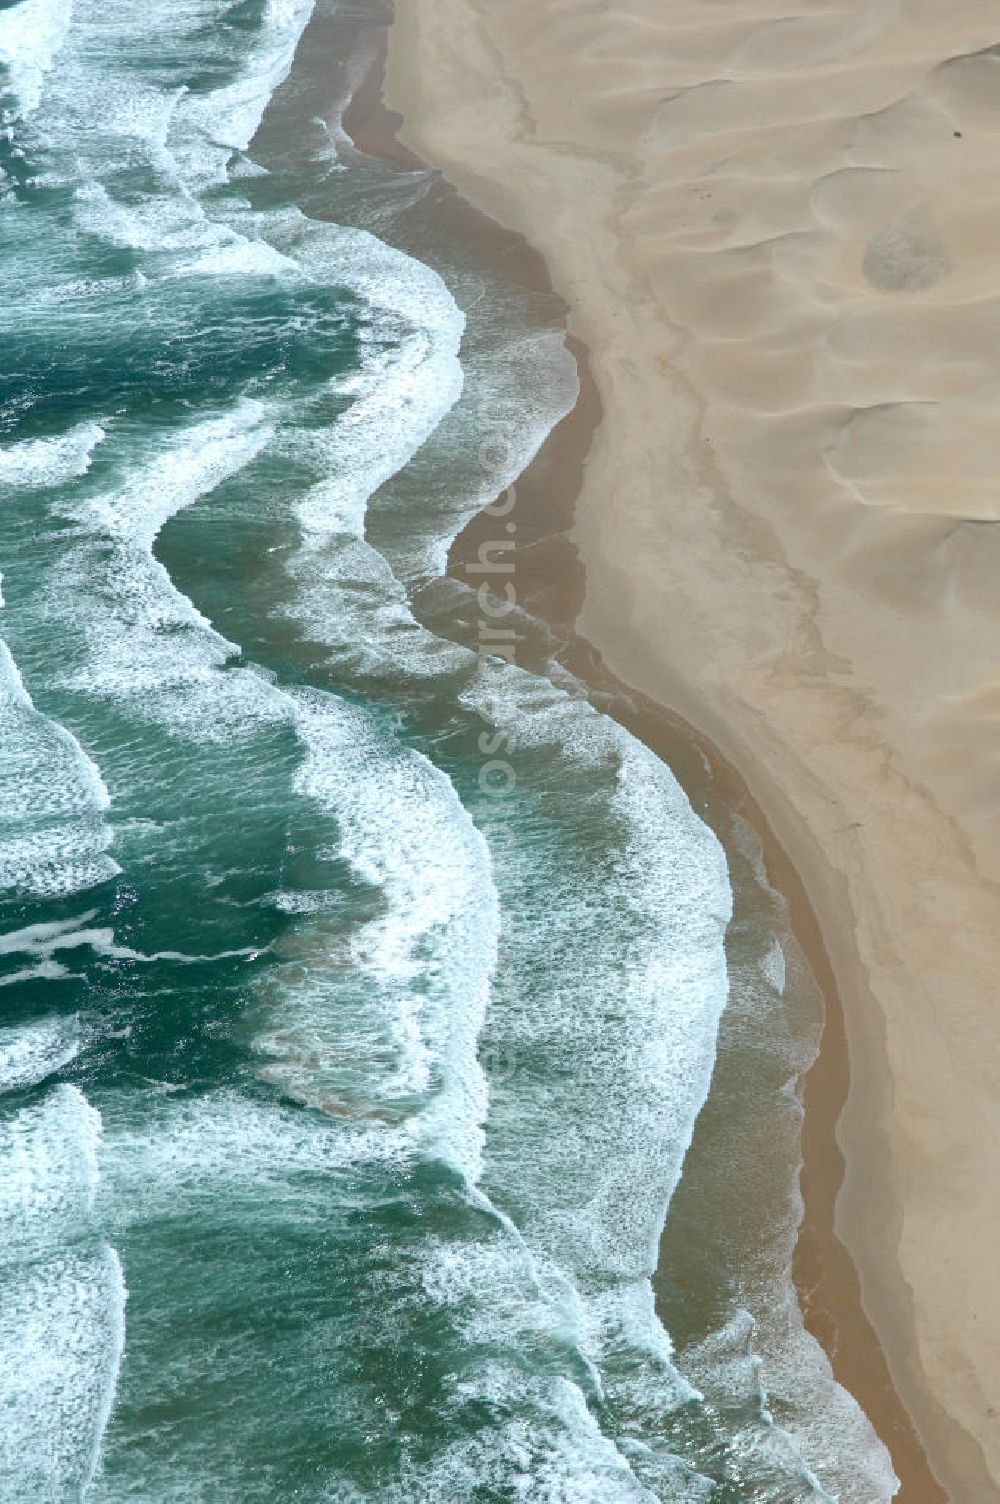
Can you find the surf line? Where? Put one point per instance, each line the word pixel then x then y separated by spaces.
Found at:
pixel 492 575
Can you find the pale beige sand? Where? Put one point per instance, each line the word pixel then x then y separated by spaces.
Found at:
pixel 786 265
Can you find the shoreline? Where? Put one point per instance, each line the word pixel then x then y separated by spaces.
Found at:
pixel 869 1218
pixel 824 1272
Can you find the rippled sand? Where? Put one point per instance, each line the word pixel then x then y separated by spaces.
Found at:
pixel 779 234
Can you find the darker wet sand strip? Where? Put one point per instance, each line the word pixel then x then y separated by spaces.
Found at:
pixel 551 584
pixel 774 233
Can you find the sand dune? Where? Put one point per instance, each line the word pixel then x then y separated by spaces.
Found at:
pixel 778 232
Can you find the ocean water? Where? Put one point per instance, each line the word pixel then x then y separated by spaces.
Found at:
pixel 370 999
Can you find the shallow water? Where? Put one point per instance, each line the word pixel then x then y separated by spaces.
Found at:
pixel 359 989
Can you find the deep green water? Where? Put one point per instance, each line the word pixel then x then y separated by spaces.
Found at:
pixel 359 990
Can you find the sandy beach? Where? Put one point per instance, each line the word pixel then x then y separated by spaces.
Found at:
pixel 774 232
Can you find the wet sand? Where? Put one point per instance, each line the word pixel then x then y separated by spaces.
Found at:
pixel 767 238
pixel 551 584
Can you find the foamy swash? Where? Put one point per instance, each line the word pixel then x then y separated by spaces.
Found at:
pixel 375 1093
pixel 63 1294
pixel 52 801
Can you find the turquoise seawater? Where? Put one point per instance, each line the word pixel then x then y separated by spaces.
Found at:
pixel 360 981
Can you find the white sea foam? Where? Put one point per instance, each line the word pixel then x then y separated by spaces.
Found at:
pixel 346 593
pixel 629 954
pixel 154 645
pixel 62 1293
pixel 43 940
pixel 191 465
pixel 236 256
pixel 31 1052
pixel 823 1438
pixel 401 395
pixel 190 1154
pixel 514 396
pixel 612 1054
pixel 85 792
pixel 48 1173
pixel 426 959
pixel 773 965
pixel 55 861
pixel 164 223
pixel 520 1307
pixel 385 279
pixel 347 597
pixel 82 290
pixel 668 884
pixel 35 463
pixel 189 133
pixel 47 936
pixel 670 1008
pixel 185 1154
pixel 558 1456
pixel 230 115
pixel 500 1296
pixel 404 829
pixel 45 971
pixel 61 1341
pixel 150 649
pixel 829 1428
pixel 147 643
pixel 765 1366
pixel 52 800
pixel 30 37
